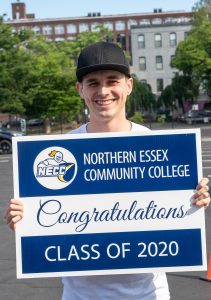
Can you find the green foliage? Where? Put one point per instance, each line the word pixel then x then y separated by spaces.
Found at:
pixel 202 12
pixel 37 77
pixel 137 118
pixel 182 88
pixel 166 97
pixel 53 90
pixel 193 55
pixel 84 39
pixel 14 71
pixel 7 38
pixel 140 99
pixel 161 119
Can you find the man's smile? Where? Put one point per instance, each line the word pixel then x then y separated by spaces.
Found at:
pixel 104 102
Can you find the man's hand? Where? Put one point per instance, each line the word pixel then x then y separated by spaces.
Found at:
pixel 202 195
pixel 14 213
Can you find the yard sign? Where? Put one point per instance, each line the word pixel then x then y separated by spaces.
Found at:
pixel 111 203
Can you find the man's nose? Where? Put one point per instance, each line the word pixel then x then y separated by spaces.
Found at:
pixel 103 90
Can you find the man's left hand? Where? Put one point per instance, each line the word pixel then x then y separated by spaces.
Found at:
pixel 202 195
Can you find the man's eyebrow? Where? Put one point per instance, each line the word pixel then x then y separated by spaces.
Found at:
pixel 109 77
pixel 91 79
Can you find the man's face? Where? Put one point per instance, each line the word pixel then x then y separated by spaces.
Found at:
pixel 105 93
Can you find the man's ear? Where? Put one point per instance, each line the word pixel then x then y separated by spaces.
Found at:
pixel 129 85
pixel 79 88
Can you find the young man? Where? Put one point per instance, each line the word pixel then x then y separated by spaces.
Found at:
pixel 104 82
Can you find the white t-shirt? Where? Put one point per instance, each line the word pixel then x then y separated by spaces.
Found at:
pixel 145 286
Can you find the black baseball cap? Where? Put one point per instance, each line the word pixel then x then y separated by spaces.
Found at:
pixel 101 56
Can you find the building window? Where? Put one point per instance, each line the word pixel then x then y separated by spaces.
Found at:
pixel 142 63
pixel 159 85
pixel 36 29
pixel 172 58
pixel 83 27
pixel 184 20
pixel 157 21
pixel 120 25
pixel 173 39
pixel 71 28
pixel 159 62
pixel 23 27
pixel 59 39
pixel 131 23
pixel 186 33
pixel 47 30
pixel 141 41
pixel 158 40
pixel 71 38
pixel 143 81
pixel 168 20
pixel 109 25
pixel 17 15
pixel 145 22
pixel 95 26
pixel 176 20
pixel 122 40
pixel 59 29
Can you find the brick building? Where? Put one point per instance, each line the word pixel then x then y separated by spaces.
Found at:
pixel 59 29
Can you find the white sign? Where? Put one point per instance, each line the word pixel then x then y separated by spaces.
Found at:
pixel 109 203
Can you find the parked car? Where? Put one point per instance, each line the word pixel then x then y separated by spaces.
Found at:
pixel 35 123
pixel 12 124
pixel 195 116
pixel 6 140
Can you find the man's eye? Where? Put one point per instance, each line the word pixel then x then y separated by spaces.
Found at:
pixel 92 83
pixel 113 81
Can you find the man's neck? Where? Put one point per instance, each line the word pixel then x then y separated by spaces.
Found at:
pixel 113 126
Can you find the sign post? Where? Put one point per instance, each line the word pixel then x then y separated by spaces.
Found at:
pixel 108 203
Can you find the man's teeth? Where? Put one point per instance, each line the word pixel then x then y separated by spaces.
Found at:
pixel 104 101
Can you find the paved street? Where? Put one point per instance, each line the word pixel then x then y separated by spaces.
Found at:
pixel 188 286
pixel 183 286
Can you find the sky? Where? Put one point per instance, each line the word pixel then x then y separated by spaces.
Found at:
pixel 70 8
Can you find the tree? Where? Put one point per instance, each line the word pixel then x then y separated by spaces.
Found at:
pixel 166 97
pixel 202 12
pixel 55 63
pixel 14 71
pixel 140 99
pixel 74 47
pixel 53 91
pixel 193 55
pixel 7 38
pixel 37 77
pixel 182 89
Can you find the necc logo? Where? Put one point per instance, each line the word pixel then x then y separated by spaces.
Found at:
pixel 55 168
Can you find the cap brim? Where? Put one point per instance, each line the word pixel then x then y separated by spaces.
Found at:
pixel 86 70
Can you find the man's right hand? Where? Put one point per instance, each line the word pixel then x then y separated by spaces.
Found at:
pixel 14 213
